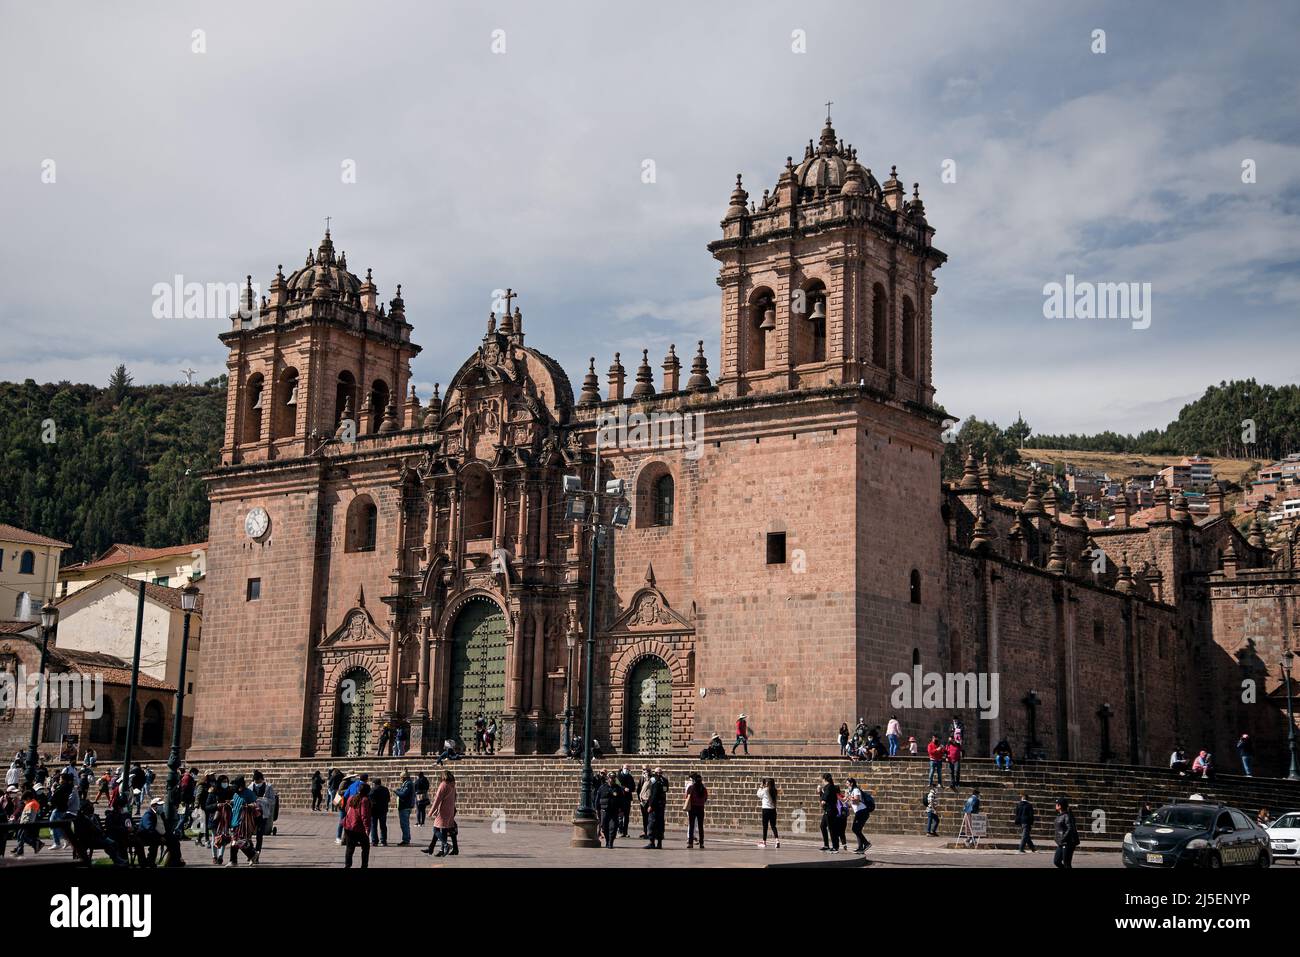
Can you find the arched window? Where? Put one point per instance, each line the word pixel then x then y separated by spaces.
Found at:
pixel 378 403
pixel 253 408
pixel 762 322
pixel 362 525
pixel 151 732
pixel 879 327
pixel 479 503
pixel 663 500
pixel 27 564
pixel 345 397
pixel 22 606
pixel 286 405
pixel 909 339
pixel 813 333
pixel 914 587
pixel 101 729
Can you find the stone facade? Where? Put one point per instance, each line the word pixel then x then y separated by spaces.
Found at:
pixel 791 550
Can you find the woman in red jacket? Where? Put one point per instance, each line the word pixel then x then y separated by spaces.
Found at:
pixel 697 795
pixel 356 827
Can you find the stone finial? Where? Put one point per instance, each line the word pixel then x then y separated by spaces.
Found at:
pixel 1050 502
pixel 1033 504
pixel 1257 538
pixel 738 199
pixel 343 417
pixel 986 472
pixel 699 371
pixel 1056 557
pixel 617 377
pixel 492 324
pixel 519 326
pixel 397 305
pixel 1121 510
pixel 434 412
pixel 1077 519
pixel 650 574
pixel 389 422
pixel 672 370
pixel 980 540
pixel 1124 582
pixel 645 383
pixel 1181 513
pixel 590 394
pixel 1229 563
pixel 507 327
pixel 970 479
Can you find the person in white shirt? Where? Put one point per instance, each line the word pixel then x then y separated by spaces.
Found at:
pixel 894 732
pixel 766 795
pixel 14 776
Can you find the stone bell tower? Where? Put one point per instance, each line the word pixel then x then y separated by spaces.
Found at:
pixel 319 349
pixel 827 280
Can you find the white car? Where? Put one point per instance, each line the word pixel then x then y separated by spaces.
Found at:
pixel 1284 837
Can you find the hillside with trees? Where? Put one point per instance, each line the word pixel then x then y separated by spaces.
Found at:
pixel 93 466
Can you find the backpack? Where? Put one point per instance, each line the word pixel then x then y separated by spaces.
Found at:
pixel 868 802
pixel 925 799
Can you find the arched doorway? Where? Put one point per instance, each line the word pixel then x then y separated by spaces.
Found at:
pixel 649 707
pixel 354 706
pixel 478 667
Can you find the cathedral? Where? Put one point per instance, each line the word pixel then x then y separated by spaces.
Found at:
pixel 791 553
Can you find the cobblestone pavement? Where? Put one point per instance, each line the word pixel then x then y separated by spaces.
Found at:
pixel 306 839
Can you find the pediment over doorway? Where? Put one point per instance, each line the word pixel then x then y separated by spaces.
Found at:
pixel 357 630
pixel 649 613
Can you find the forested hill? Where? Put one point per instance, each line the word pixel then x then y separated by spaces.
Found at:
pixel 93 466
pixel 1219 423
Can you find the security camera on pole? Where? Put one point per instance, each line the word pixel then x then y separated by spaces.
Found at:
pixel 587 508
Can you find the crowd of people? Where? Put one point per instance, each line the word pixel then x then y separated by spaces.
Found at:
pixel 118 812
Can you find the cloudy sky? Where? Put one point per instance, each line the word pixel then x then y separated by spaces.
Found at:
pixel 477 170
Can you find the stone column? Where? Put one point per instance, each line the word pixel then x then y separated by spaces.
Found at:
pixel 538 698
pixel 515 664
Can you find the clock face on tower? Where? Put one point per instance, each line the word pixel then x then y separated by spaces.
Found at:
pixel 257 522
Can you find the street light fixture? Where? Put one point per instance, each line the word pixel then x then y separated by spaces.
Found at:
pixel 49 627
pixel 1287 658
pixel 189 603
pixel 584 507
pixel 572 641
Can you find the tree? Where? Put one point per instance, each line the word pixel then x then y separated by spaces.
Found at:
pixel 118 383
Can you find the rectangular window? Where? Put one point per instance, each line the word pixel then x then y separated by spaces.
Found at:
pixel 776 548
pixel 254 589
pixel 162 580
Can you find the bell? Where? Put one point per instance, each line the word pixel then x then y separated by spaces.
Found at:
pixel 769 319
pixel 257 400
pixel 819 312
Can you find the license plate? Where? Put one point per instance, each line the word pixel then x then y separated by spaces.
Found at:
pixel 1155 858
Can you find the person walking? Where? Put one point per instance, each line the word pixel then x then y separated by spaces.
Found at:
pixel 380 797
pixel 444 816
pixel 628 784
pixel 937 755
pixel 334 781
pixel 1067 834
pixel 953 752
pixel 766 795
pixel 1025 821
pixel 658 804
pixel 828 795
pixel 268 804
pixel 609 801
pixel 931 803
pixel 969 809
pixel 1246 751
pixel 742 733
pixel 861 804
pixel 244 815
pixel 317 789
pixel 643 798
pixel 356 826
pixel 697 795
pixel 421 798
pixel 405 802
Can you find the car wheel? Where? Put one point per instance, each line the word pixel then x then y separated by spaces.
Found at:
pixel 1214 860
pixel 1263 861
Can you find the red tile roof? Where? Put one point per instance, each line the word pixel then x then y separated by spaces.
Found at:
pixel 12 533
pixel 112 669
pixel 122 554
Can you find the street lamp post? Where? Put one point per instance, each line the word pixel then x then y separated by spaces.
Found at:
pixel 585 507
pixel 189 601
pixel 1287 658
pixel 572 641
pixel 49 626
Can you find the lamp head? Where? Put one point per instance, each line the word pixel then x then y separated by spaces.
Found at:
pixel 189 597
pixel 49 615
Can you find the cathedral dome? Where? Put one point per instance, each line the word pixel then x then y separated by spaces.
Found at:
pixel 824 167
pixel 324 264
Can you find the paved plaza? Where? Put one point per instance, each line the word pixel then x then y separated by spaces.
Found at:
pixel 306 839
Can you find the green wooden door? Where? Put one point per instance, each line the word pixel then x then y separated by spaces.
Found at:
pixel 649 707
pixel 478 668
pixel 354 708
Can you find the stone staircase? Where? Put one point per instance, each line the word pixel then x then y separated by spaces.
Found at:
pixel 1105 796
